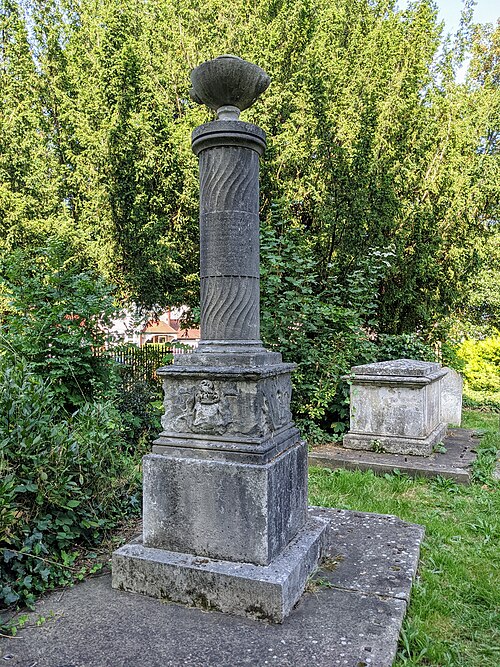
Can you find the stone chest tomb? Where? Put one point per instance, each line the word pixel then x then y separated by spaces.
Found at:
pixel 396 407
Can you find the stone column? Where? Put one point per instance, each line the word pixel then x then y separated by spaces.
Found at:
pixel 229 232
pixel 226 482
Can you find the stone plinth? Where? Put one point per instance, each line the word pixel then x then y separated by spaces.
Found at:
pixel 396 407
pixel 227 404
pixel 242 588
pixel 225 520
pixel 451 397
pixel 228 474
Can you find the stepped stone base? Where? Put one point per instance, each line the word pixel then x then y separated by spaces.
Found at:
pixel 394 444
pixel 264 592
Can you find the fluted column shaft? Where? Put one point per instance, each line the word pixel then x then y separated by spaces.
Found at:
pixel 229 230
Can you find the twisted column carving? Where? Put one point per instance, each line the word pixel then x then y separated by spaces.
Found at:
pixel 229 229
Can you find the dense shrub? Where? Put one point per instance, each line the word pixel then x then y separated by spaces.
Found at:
pixel 55 316
pixel 403 346
pixel 481 363
pixel 67 474
pixel 324 331
pixel 64 480
pixel 314 328
pixel 140 392
pixel 140 404
pixel 481 370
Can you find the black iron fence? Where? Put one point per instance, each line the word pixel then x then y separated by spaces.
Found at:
pixel 139 364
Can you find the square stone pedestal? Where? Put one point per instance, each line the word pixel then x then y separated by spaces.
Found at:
pixel 396 407
pixel 225 509
pixel 225 521
pixel 227 478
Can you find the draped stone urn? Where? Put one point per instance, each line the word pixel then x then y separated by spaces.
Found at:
pixel 225 488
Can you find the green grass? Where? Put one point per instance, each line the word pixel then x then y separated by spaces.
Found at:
pixel 454 616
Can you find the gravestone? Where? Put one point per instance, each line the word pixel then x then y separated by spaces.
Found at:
pixel 451 397
pixel 225 488
pixel 396 407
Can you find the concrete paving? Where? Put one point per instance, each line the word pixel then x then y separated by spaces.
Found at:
pixel 455 463
pixel 350 616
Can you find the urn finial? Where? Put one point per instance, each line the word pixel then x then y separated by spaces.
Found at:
pixel 228 84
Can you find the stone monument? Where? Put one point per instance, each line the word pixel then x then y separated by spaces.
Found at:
pixel 396 407
pixel 225 488
pixel 451 397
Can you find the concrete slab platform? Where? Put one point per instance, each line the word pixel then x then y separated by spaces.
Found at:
pixel 374 553
pixel 455 463
pixel 350 617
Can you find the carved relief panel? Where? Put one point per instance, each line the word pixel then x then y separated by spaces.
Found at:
pixel 242 407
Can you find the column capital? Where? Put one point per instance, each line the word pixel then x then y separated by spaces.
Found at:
pixel 228 133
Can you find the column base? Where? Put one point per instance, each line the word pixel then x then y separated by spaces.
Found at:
pixel 222 509
pixel 228 354
pixel 265 592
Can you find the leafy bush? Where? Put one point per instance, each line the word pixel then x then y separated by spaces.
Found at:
pixel 140 393
pixel 64 480
pixel 324 331
pixel 140 407
pixel 67 475
pixel 54 315
pixel 481 367
pixel 403 346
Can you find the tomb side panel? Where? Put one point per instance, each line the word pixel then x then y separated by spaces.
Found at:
pixel 388 410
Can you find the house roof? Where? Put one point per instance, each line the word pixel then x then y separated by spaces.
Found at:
pixel 159 327
pixel 190 334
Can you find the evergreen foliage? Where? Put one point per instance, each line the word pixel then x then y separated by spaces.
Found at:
pixel 371 142
pixel 378 186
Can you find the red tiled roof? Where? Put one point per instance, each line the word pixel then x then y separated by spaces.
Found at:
pixel 159 327
pixel 189 333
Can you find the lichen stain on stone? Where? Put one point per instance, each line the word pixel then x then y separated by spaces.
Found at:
pixel 200 600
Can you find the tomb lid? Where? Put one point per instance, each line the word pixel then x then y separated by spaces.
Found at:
pixel 398 367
